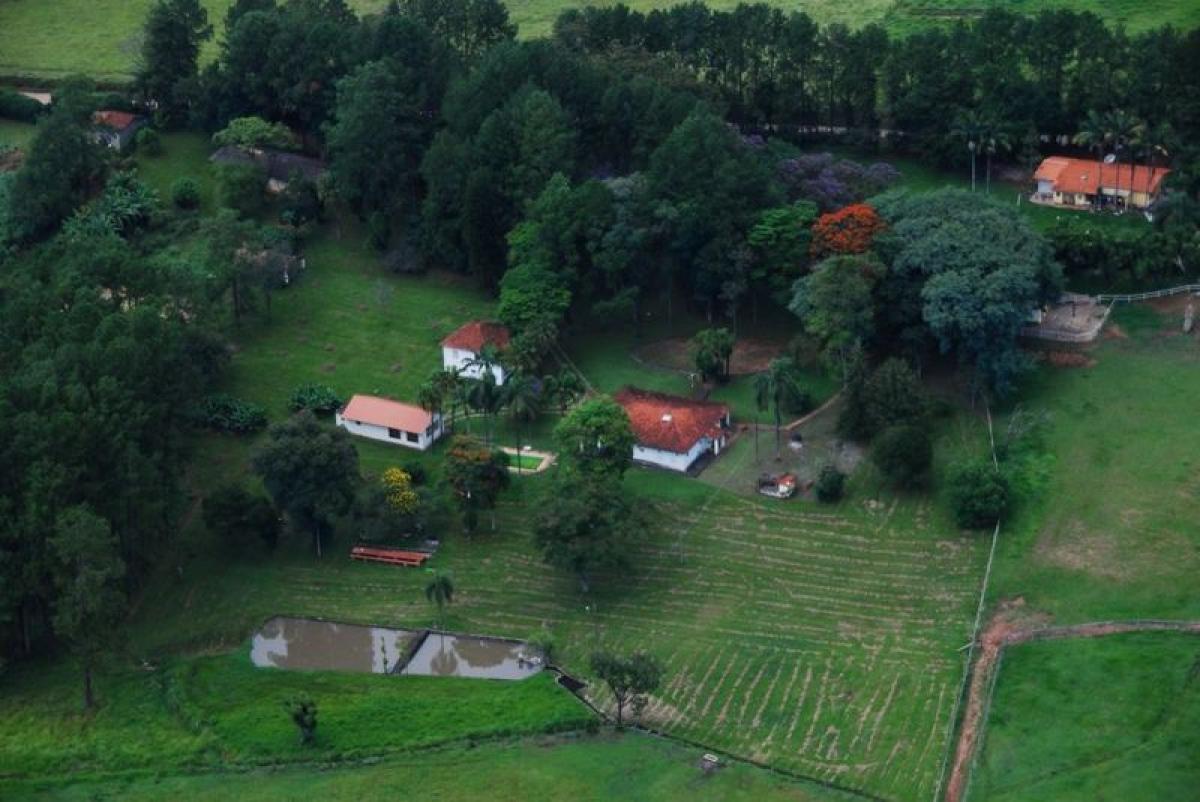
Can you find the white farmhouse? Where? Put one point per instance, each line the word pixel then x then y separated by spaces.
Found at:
pixel 463 346
pixel 390 421
pixel 673 432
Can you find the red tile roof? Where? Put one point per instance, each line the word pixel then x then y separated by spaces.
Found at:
pixel 476 334
pixel 117 120
pixel 1083 175
pixel 385 412
pixel 669 422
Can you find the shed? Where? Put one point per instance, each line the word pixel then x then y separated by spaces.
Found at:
pixel 390 421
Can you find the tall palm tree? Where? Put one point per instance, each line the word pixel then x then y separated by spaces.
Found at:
pixel 1095 135
pixel 1157 144
pixel 523 398
pixel 772 388
pixel 1126 132
pixel 431 397
pixel 486 397
pixel 486 361
pixel 970 126
pixel 440 591
pixel 995 139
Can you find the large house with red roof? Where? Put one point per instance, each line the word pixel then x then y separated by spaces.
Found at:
pixel 1063 181
pixel 673 432
pixel 390 421
pixel 462 347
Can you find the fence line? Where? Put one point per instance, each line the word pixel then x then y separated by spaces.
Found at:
pixel 1146 296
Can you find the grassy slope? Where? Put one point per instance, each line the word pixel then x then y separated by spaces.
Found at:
pixel 15 133
pixel 595 768
pixel 1110 718
pixel 1115 533
pixel 47 41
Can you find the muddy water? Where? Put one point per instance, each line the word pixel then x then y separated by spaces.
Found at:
pixel 297 643
pixel 460 656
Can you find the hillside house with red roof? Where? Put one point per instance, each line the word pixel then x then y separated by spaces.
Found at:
pixel 673 432
pixel 462 347
pixel 390 421
pixel 116 129
pixel 1062 181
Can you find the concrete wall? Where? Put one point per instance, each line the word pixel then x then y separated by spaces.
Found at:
pixel 381 433
pixel 460 360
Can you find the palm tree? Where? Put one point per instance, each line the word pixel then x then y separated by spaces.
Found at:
pixel 1095 136
pixel 563 387
pixel 523 398
pixel 486 361
pixel 971 126
pixel 440 591
pixel 772 388
pixel 485 396
pixel 1126 133
pixel 1157 144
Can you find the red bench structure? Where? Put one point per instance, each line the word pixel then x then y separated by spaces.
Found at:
pixel 412 559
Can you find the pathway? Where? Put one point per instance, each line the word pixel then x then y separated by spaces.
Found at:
pixel 1001 633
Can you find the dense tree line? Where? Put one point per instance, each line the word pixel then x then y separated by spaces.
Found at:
pixel 1034 77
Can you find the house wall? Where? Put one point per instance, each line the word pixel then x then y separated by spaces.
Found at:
pixel 460 360
pixel 671 460
pixel 380 433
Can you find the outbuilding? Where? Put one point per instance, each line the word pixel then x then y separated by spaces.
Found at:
pixel 116 129
pixel 674 432
pixel 390 421
pixel 462 347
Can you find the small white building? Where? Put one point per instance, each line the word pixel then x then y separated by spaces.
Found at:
pixel 673 432
pixel 390 421
pixel 462 347
pixel 116 129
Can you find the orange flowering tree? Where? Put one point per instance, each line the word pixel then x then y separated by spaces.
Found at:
pixel 849 230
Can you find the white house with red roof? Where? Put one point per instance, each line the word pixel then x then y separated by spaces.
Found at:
pixel 1063 181
pixel 390 421
pixel 462 347
pixel 673 432
pixel 116 129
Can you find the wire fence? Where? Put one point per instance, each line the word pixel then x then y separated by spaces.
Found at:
pixel 1132 297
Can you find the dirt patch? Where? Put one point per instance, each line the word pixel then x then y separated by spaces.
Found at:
pixel 1171 304
pixel 329 367
pixel 1077 549
pixel 1069 359
pixel 1114 332
pixel 750 355
pixel 396 367
pixel 10 160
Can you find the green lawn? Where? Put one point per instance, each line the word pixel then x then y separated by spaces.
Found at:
pixel 588 769
pixel 184 155
pixel 1114 531
pixel 1108 718
pixel 15 133
pixel 43 41
pixel 222 712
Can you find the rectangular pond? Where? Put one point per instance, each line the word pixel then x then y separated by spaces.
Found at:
pixel 305 644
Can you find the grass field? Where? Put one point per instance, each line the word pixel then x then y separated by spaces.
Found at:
pixel 1105 718
pixel 15 133
pixel 1114 534
pixel 592 769
pixel 43 41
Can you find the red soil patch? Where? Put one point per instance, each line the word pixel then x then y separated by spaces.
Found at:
pixel 750 355
pixel 1114 332
pixel 1069 359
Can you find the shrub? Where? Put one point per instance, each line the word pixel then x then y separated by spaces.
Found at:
pixel 903 454
pixel 185 193
pixel 255 132
pixel 416 471
pixel 379 231
pixel 299 203
pixel 978 494
pixel 225 413
pixel 15 106
pixel 242 188
pixel 238 516
pixel 831 485
pixel 149 142
pixel 317 397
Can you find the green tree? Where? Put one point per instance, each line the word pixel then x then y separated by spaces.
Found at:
pixel 596 438
pixel 1095 135
pixel 1126 132
pixel 311 472
pixel 978 493
pixel 373 171
pixel 904 455
pixel 237 516
pixel 242 188
pixel 584 524
pixel 971 127
pixel 629 679
pixel 836 304
pixel 469 26
pixel 254 133
pixel 780 239
pixel 713 350
pixel 173 34
pixel 439 591
pixel 893 396
pixel 477 474
pixel 562 388
pixel 772 388
pixel 91 603
pixel 302 710
pixel 523 399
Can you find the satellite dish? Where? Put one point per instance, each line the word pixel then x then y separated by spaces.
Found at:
pixel 1110 158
